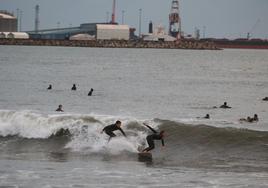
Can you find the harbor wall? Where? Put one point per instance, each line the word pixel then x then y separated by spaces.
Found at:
pixel 182 44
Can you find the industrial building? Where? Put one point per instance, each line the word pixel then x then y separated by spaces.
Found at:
pixel 8 22
pixel 157 34
pixel 99 30
pixel 112 32
pixel 64 33
pixel 87 31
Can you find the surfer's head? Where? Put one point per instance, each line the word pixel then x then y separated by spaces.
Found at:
pixel 162 133
pixel 118 123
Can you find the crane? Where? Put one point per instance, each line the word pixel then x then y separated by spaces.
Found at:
pixel 249 34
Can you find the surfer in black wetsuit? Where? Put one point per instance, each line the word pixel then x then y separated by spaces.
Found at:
pixel 111 128
pixel 90 92
pixel 150 139
pixel 74 87
pixel 59 109
pixel 225 105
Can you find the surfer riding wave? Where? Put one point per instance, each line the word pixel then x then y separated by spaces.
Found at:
pixel 155 136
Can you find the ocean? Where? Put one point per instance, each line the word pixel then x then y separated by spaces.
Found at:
pixel 170 90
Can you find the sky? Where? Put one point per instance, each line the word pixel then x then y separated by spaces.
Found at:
pixel 214 18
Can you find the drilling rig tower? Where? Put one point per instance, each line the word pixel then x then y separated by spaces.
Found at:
pixel 175 20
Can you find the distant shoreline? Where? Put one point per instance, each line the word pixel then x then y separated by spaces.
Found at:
pixel 182 44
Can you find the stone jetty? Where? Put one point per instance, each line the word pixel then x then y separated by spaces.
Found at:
pixel 180 44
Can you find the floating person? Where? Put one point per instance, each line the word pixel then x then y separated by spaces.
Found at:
pixel 90 92
pixel 205 117
pixel 255 118
pixel 265 99
pixel 225 105
pixel 156 136
pixel 111 128
pixel 74 87
pixel 59 109
pixel 250 120
pixel 49 87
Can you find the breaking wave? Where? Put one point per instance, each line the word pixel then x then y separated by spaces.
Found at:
pixel 192 144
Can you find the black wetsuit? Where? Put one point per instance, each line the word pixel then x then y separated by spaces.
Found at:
pixel 90 92
pixel 74 87
pixel 111 128
pixel 150 139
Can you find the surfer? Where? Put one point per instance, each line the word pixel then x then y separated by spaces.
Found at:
pixel 111 128
pixel 59 109
pixel 250 120
pixel 255 118
pixel 49 87
pixel 90 92
pixel 74 87
pixel 225 105
pixel 205 117
pixel 150 138
pixel 265 99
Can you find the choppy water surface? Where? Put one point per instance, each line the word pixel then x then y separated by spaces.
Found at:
pixel 168 89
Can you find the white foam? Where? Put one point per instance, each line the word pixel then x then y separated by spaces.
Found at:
pixel 84 128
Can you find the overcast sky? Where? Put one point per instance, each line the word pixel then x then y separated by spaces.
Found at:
pixel 218 18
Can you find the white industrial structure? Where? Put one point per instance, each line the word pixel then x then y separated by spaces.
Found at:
pixel 158 35
pixel 14 35
pixel 112 32
pixel 82 36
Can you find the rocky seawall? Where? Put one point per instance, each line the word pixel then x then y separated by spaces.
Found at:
pixel 182 44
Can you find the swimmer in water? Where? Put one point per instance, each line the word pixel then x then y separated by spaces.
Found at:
pixel 49 87
pixel 225 105
pixel 59 109
pixel 265 99
pixel 90 92
pixel 74 87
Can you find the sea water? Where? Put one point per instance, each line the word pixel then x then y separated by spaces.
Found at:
pixel 168 89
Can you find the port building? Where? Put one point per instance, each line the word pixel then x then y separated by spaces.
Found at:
pixel 8 22
pixel 157 34
pixel 104 31
pixel 112 32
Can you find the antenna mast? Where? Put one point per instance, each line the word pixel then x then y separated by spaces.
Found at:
pixel 113 12
pixel 36 25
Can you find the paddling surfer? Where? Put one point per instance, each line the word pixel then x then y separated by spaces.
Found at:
pixel 225 106
pixel 74 87
pixel 155 136
pixel 59 109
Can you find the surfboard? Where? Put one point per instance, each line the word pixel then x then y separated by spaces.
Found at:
pixel 145 156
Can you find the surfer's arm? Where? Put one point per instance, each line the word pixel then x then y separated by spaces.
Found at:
pixel 122 132
pixel 103 130
pixel 154 131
